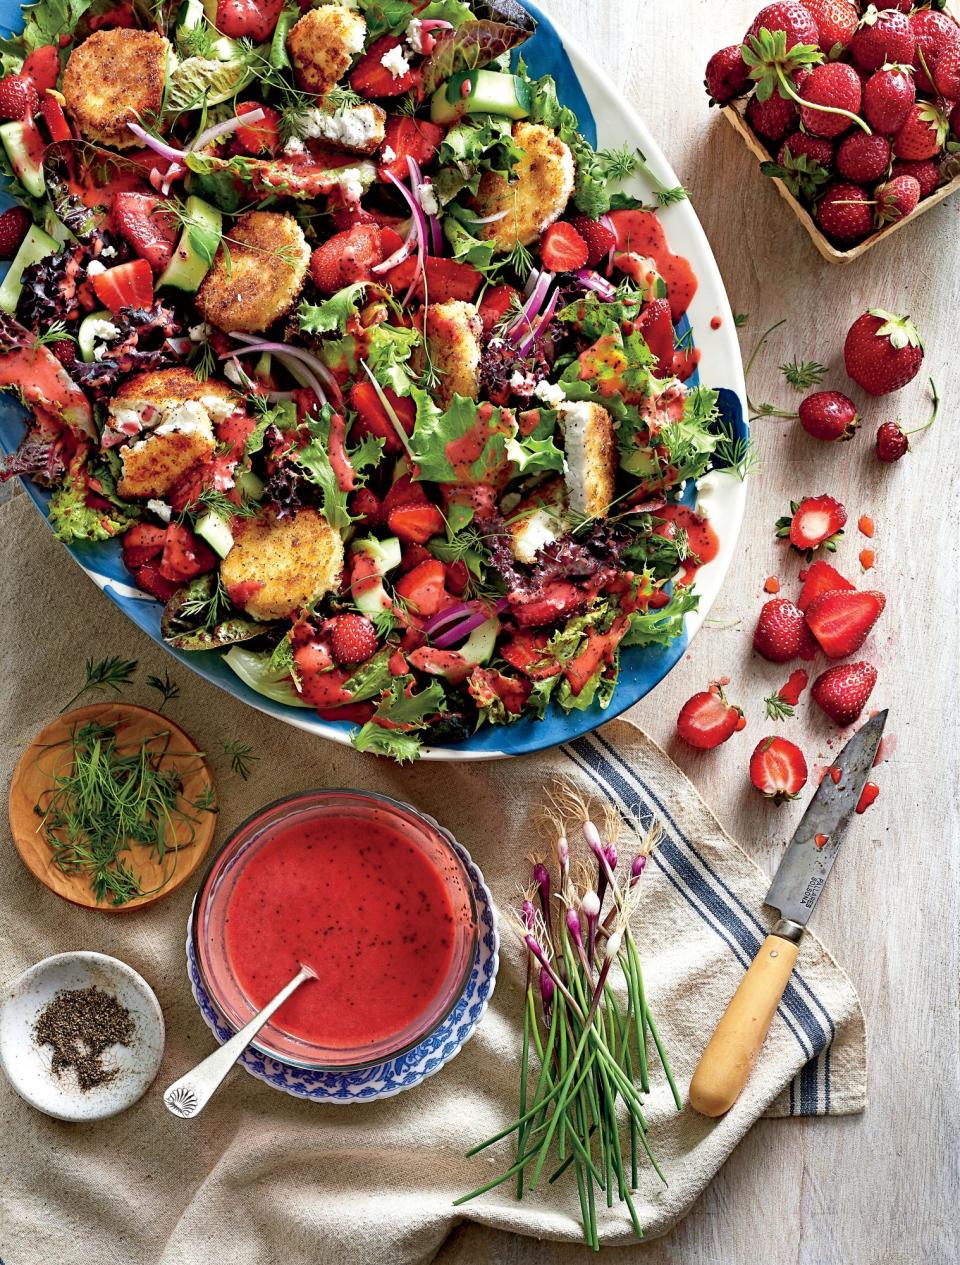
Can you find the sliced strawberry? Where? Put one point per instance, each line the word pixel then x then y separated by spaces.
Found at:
pixel 446 663
pixel 321 684
pixel 812 522
pixel 422 588
pixel 346 258
pixel 458 578
pixel 253 19
pixel 446 279
pixel 562 249
pixel 233 431
pixel 412 555
pixel 656 326
pixel 841 620
pixel 408 136
pixel 706 719
pixel 497 301
pixel 142 543
pixel 778 769
pixel 599 651
pixel 558 599
pixel 403 491
pixel 55 119
pixel 778 631
pixel 820 577
pixel 527 651
pixel 371 78
pixel 372 417
pixel 365 505
pixel 600 239
pixel 150 579
pixel 43 67
pixel 141 220
pixel 184 555
pixel 261 138
pixel 842 691
pixel 415 522
pixel 126 285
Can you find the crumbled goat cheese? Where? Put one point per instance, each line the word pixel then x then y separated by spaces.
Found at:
pixel 108 252
pixel 218 406
pixel 351 184
pixel 550 393
pixel 428 199
pixel 294 147
pixel 522 383
pixel 199 333
pixel 95 267
pixel 414 34
pixel 161 509
pixel 388 154
pixel 357 127
pixel 395 62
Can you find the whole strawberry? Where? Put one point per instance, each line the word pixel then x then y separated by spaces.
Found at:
pixel 887 97
pixel 946 73
pixel 353 639
pixel 863 159
pixel 842 691
pixel 893 441
pixel 803 164
pixel 14 224
pixel 903 5
pixel 772 118
pixel 836 22
pixel 922 133
pixel 727 76
pixel 18 97
pixel 926 173
pixel 883 37
pixel 933 32
pixel 829 415
pixel 882 352
pixel 896 199
pixel 790 17
pixel 707 719
pixel 831 96
pixel 800 144
pixel 779 630
pixel 845 213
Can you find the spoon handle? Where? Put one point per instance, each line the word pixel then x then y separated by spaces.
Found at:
pixel 188 1096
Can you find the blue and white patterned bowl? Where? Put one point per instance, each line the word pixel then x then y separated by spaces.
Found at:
pixel 407 1070
pixel 606 120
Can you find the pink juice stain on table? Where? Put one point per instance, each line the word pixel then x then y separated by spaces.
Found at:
pixel 361 905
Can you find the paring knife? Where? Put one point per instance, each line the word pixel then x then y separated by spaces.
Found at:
pixel 728 1060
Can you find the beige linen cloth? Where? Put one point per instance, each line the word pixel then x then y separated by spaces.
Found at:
pixel 264 1179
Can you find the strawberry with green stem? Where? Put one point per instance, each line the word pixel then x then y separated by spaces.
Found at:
pixel 803 164
pixel 773 66
pixel 707 719
pixel 882 351
pixel 813 522
pixel 892 440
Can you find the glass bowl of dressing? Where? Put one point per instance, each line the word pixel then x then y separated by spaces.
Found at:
pixel 363 888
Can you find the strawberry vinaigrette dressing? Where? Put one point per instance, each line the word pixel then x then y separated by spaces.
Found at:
pixel 703 542
pixel 360 904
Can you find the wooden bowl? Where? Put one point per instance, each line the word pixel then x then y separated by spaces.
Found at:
pixel 50 753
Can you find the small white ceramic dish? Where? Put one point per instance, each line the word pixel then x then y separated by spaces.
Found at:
pixel 28 1067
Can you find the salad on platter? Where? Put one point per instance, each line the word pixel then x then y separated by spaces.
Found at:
pixel 336 318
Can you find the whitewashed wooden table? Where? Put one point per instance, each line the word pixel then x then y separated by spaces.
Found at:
pixel 879 1189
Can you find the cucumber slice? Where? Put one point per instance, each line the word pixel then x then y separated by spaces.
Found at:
pixel 480 92
pixel 249 485
pixel 196 248
pixel 35 246
pixel 255 670
pixel 19 139
pixel 216 532
pixel 480 645
pixel 89 332
pixel 373 598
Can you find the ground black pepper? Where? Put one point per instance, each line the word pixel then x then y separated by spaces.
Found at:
pixel 80 1024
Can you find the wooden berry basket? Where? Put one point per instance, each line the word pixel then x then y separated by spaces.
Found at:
pixel 736 116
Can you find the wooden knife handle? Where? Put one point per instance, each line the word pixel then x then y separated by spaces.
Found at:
pixel 728 1060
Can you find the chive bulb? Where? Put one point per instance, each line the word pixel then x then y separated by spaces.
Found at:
pixel 592 835
pixel 610 852
pixel 614 940
pixel 563 858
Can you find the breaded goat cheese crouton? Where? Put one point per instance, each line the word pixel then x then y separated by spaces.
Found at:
pixel 169 417
pixel 114 78
pixel 452 332
pixel 257 279
pixel 322 45
pixel 591 452
pixel 277 566
pixel 541 186
pixel 538 520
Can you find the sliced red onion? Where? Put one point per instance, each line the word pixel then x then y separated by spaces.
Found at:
pixel 449 615
pixel 461 630
pixel 436 24
pixel 174 172
pixel 539 328
pixel 291 362
pixel 316 366
pixel 179 346
pixel 400 255
pixel 488 219
pixel 158 146
pixel 225 128
pixel 389 410
pixel 275 397
pixel 523 322
pixel 417 184
pixel 531 281
pixel 420 222
pixel 591 280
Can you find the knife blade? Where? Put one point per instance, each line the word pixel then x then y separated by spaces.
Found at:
pixel 803 871
pixel 731 1052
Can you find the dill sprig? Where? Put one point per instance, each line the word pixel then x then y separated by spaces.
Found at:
pixel 803 374
pixel 241 756
pixel 108 674
pixel 167 689
pixel 736 456
pixel 108 801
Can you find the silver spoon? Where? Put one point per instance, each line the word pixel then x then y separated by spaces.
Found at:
pixel 189 1095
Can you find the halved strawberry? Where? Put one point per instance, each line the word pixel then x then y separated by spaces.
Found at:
pixel 151 580
pixel 52 112
pixel 233 431
pixel 346 258
pixel 142 543
pixel 458 578
pixel 495 304
pixel 841 619
pixel 778 769
pixel 365 505
pixel 446 279
pixel 600 239
pixel 403 491
pixel 706 719
pixel 372 417
pixel 656 326
pixel 562 249
pixel 842 691
pixel 141 220
pixel 812 522
pixel 126 285
pixel 185 556
pixel 527 651
pixel 820 577
pixel 43 67
pixel 557 599
pixel 371 78
pixel 416 522
pixel 422 588
pixel 779 629
pixel 259 138
pixel 412 554
pixel 405 135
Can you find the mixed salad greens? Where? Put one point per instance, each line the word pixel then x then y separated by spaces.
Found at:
pixel 333 314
